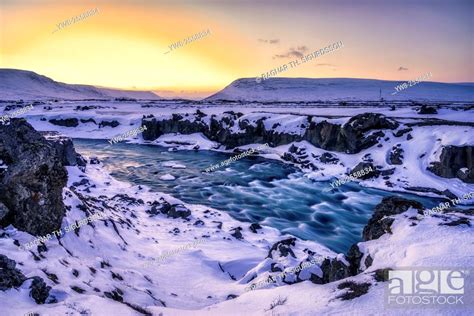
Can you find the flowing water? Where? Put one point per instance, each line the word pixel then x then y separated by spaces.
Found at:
pixel 252 189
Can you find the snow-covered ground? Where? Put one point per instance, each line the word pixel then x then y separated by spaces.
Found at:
pixel 110 258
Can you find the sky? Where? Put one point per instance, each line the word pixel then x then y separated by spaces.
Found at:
pixel 126 44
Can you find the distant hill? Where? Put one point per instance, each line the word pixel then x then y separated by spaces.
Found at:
pixel 344 89
pixel 27 85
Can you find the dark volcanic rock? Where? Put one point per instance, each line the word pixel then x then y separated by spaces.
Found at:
pixel 402 131
pixel 39 290
pixel 177 211
pixel 349 138
pixel 461 221
pixel 31 188
pixel 354 256
pixel 254 227
pixel 395 156
pixel 65 149
pixel 333 270
pixel 381 275
pixel 3 210
pixel 353 131
pixel 107 123
pixel 328 158
pixel 455 162
pixel 381 221
pixel 237 233
pixel 446 192
pixel 355 290
pixel 10 277
pixel 325 135
pixel 365 167
pixel 427 110
pixel 283 248
pixel 69 122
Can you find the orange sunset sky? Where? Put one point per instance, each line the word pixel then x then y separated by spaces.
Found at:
pixel 124 44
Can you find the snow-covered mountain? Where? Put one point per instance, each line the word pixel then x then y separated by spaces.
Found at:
pixel 333 89
pixel 27 85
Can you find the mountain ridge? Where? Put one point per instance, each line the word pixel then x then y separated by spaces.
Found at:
pixel 18 84
pixel 340 89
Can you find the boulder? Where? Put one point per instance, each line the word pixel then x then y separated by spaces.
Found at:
pixel 39 290
pixel 178 211
pixel 381 220
pixel 425 109
pixel 455 162
pixel 328 158
pixel 31 187
pixel 112 124
pixel 10 277
pixel 333 270
pixel 367 169
pixel 395 156
pixel 69 122
pixel 282 248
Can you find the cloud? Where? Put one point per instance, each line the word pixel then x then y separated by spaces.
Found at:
pixel 401 68
pixel 269 41
pixel 297 52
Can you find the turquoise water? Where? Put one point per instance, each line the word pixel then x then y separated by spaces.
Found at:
pixel 251 189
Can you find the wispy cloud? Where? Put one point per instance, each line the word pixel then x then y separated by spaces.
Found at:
pixel 297 52
pixel 269 41
pixel 401 68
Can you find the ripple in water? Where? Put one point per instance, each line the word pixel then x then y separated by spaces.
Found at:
pixel 251 189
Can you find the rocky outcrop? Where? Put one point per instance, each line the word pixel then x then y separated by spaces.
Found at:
pixel 349 138
pixel 455 162
pixel 218 130
pixel 333 270
pixel 366 170
pixel 395 156
pixel 69 122
pixel 353 132
pixel 425 109
pixel 31 187
pixel 381 220
pixel 171 210
pixel 65 149
pixel 10 276
pixel 39 290
pixel 299 156
pixel 112 124
pixel 328 158
pixel 282 248
pixel 354 290
pixel 3 210
pixel 354 256
pixel 403 131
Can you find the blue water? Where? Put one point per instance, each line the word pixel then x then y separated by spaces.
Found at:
pixel 251 190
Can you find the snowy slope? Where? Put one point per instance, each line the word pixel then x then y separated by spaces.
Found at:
pixel 27 85
pixel 110 267
pixel 307 89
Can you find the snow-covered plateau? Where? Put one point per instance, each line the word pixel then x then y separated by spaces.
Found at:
pixel 105 267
